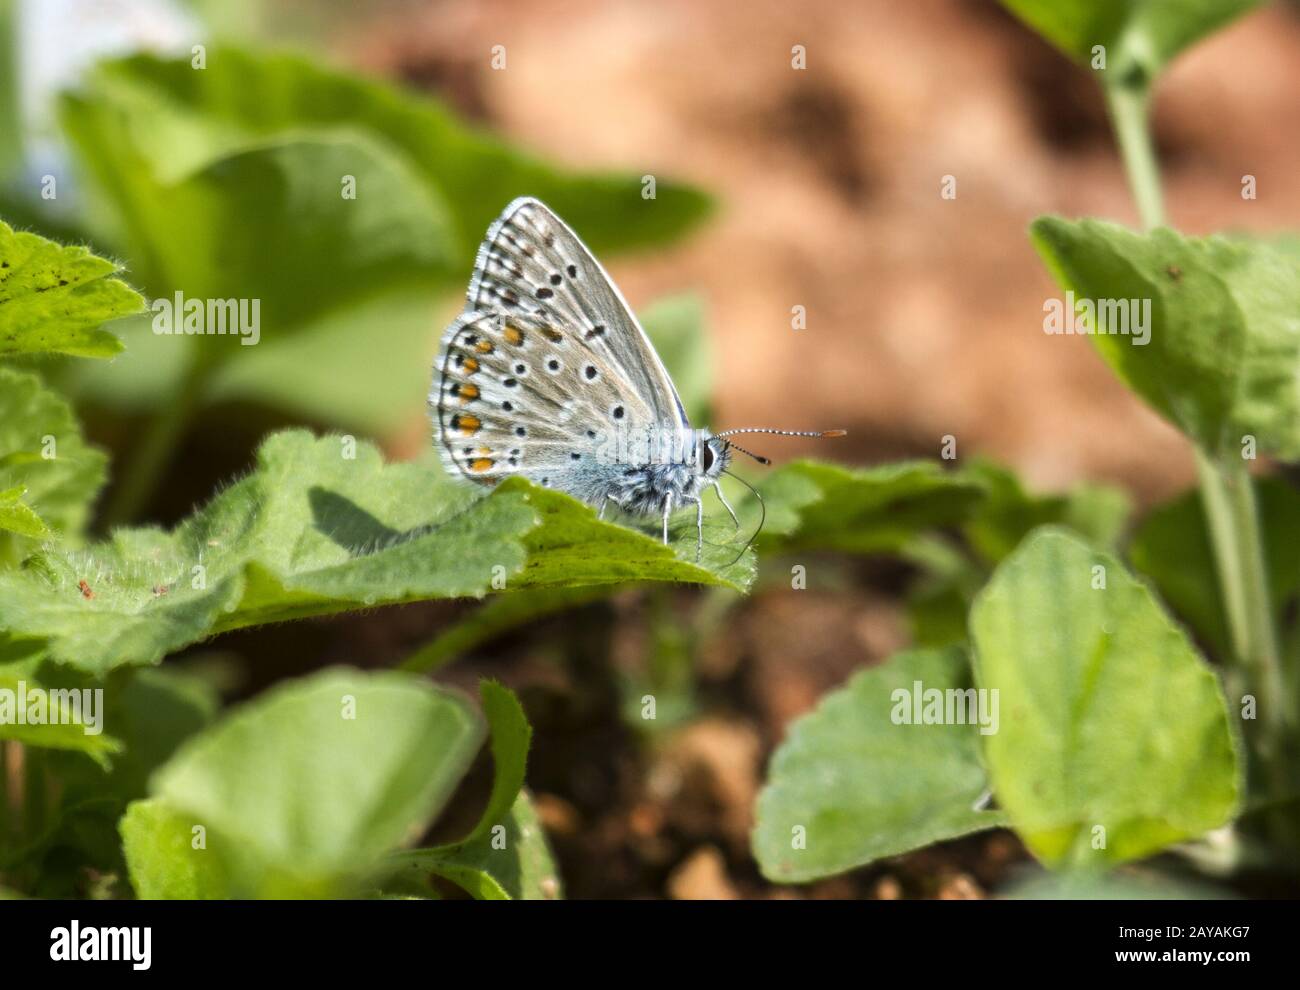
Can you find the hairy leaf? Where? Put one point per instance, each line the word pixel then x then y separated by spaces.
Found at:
pixel 56 299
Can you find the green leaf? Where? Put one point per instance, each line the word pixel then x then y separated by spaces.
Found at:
pixel 1224 331
pixel 675 326
pixel 137 597
pixel 1008 512
pixel 1140 36
pixel 323 526
pixel 572 548
pixel 505 856
pixel 873 510
pixel 267 223
pixel 1110 720
pixel 16 516
pixel 303 790
pixel 159 844
pixel 43 455
pixel 241 95
pixel 513 864
pixel 854 783
pixel 55 299
pixel 1172 547
pixel 511 735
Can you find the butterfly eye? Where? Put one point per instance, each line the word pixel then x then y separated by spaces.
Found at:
pixel 708 458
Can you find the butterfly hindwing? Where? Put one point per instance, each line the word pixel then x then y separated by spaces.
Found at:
pixel 512 398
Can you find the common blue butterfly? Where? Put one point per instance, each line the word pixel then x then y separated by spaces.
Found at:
pixel 546 373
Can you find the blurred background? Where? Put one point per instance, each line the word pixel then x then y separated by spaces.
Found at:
pixel 817 188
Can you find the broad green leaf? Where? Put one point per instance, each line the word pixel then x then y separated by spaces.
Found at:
pixel 304 789
pixel 1008 512
pixel 1224 329
pixel 323 526
pixel 43 455
pixel 853 783
pixel 159 844
pixel 512 864
pixel 16 516
pixel 268 223
pixel 240 95
pixel 1172 547
pixel 872 510
pixel 1113 729
pixel 675 326
pixel 56 299
pixel 1140 36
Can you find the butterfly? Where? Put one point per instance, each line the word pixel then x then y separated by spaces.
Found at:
pixel 546 373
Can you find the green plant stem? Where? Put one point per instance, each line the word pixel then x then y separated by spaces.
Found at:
pixel 156 447
pixel 1233 517
pixel 1128 105
pixel 1227 494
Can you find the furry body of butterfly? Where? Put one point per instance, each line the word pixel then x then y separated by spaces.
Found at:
pixel 546 363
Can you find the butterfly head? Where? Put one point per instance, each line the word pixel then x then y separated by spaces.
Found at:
pixel 713 455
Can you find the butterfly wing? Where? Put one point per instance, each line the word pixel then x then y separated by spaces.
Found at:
pixel 534 376
pixel 531 263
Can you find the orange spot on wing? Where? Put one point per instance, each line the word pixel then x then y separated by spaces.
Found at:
pixel 484 347
pixel 468 393
pixel 552 334
pixel 470 365
pixel 514 336
pixel 481 464
pixel 469 425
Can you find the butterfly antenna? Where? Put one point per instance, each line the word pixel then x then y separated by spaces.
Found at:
pixel 761 519
pixel 758 457
pixel 784 433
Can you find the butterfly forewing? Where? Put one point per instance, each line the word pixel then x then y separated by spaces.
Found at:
pixel 531 264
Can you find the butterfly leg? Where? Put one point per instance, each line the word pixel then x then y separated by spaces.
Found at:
pixel 699 528
pixel 605 505
pixel 668 508
pixel 723 499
